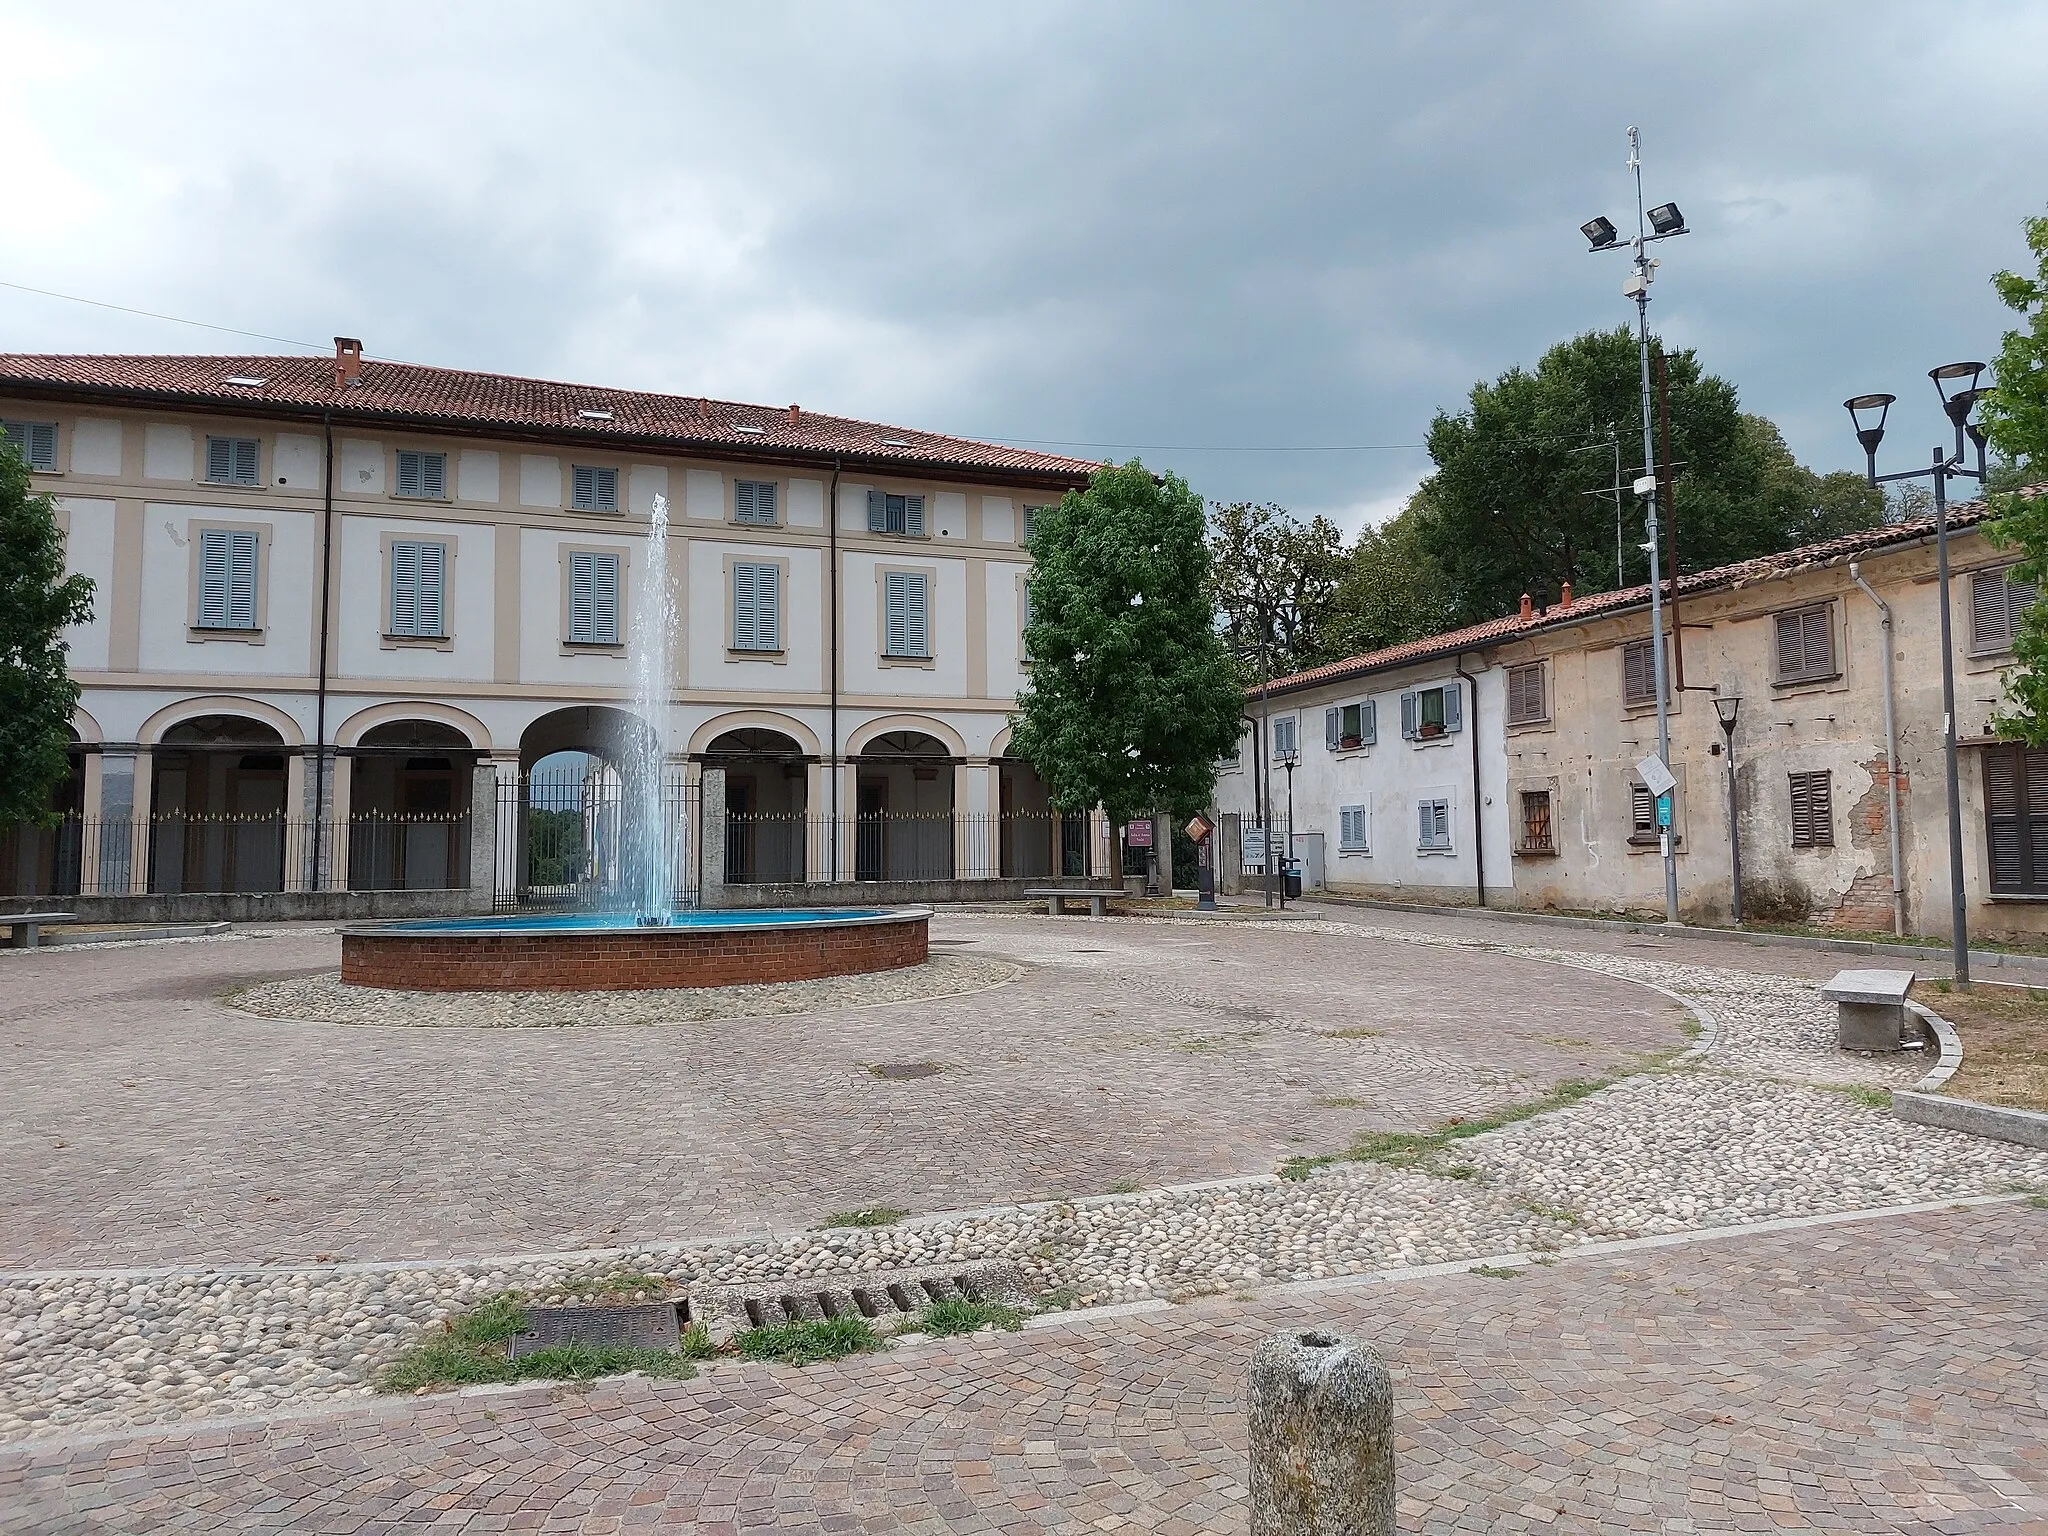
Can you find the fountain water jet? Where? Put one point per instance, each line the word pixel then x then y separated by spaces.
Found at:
pixel 652 845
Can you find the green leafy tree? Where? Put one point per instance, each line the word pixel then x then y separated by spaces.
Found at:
pixel 1275 580
pixel 2015 417
pixel 1392 590
pixel 1515 506
pixel 1132 697
pixel 37 695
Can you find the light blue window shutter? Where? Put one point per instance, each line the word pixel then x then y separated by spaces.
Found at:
pixel 408 479
pixel 583 486
pixel 1454 706
pixel 1425 824
pixel 878 512
pixel 913 516
pixel 895 613
pixel 768 607
pixel 220 459
pixel 40 449
pixel 607 489
pixel 213 578
pixel 1408 717
pixel 405 581
pixel 919 616
pixel 582 598
pixel 1369 722
pixel 1330 731
pixel 1443 823
pixel 434 475
pixel 606 608
pixel 245 460
pixel 746 608
pixel 432 602
pixel 242 551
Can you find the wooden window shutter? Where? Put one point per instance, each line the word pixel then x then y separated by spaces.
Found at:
pixel 1369 722
pixel 433 565
pixel 405 580
pixel 1638 672
pixel 1525 693
pixel 745 608
pixel 896 613
pixel 605 609
pixel 244 460
pixel 1408 725
pixel 878 512
pixel 1990 615
pixel 434 476
pixel 1813 813
pixel 754 501
pixel 582 598
pixel 42 445
pixel 1818 623
pixel 220 460
pixel 1642 808
pixel 2006 829
pixel 2019 597
pixel 213 578
pixel 408 478
pixel 1454 707
pixel 913 516
pixel 1425 824
pixel 1330 728
pixel 242 552
pixel 583 486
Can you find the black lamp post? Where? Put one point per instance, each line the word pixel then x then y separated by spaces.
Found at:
pixel 1956 384
pixel 1726 706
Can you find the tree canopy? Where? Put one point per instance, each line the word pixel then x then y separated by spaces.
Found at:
pixel 2015 417
pixel 37 695
pixel 1132 697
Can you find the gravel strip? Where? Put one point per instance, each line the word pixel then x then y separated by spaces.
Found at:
pixel 1769 1126
pixel 323 999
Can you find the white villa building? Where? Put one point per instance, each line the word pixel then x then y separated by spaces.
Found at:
pixel 353 595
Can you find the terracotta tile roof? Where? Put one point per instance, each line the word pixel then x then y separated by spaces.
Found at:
pixel 426 398
pixel 1964 514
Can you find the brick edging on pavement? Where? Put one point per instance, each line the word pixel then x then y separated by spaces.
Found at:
pixel 2034 964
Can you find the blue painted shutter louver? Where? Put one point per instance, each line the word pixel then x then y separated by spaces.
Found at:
pixel 593 598
pixel 1454 707
pixel 906 617
pixel 35 441
pixel 756 604
pixel 213 579
pixel 1408 726
pixel 1369 722
pixel 1330 731
pixel 913 516
pixel 220 459
pixel 607 606
pixel 754 501
pixel 405 581
pixel 768 607
pixel 582 485
pixel 878 512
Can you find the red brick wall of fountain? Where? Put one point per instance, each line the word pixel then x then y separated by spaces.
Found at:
pixel 628 959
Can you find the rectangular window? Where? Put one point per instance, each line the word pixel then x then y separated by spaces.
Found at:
pixel 1283 738
pixel 2016 818
pixel 35 441
pixel 423 476
pixel 231 460
pixel 1806 644
pixel 1638 673
pixel 227 578
pixel 1427 713
pixel 418 589
pixel 1352 830
pixel 593 598
pixel 753 501
pixel 1642 817
pixel 1031 520
pixel 593 488
pixel 1433 826
pixel 896 514
pixel 756 606
pixel 1997 604
pixel 1348 726
pixel 1526 704
pixel 1813 813
pixel 1536 833
pixel 906 614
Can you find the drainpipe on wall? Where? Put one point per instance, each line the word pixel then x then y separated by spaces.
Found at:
pixel 326 597
pixel 1478 803
pixel 1891 754
pixel 832 562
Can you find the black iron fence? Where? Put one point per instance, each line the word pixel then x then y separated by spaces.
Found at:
pixel 178 854
pixel 582 839
pixel 768 848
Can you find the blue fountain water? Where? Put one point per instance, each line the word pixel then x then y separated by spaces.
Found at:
pixel 600 922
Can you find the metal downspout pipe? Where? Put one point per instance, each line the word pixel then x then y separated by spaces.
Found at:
pixel 1478 800
pixel 1891 755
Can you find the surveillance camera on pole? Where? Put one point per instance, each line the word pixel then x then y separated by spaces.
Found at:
pixel 1662 222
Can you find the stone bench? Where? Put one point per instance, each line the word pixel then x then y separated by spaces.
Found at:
pixel 1056 899
pixel 25 929
pixel 1871 1009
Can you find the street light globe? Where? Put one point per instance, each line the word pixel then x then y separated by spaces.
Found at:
pixel 1727 706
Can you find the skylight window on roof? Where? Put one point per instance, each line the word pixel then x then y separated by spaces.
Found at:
pixel 749 429
pixel 894 442
pixel 245 381
pixel 595 415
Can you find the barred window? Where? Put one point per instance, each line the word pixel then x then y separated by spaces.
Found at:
pixel 1536 834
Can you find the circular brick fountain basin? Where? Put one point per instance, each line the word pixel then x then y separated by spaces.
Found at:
pixel 613 952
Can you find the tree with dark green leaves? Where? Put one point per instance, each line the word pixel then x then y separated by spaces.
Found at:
pixel 1132 697
pixel 37 600
pixel 1275 579
pixel 1516 503
pixel 2015 416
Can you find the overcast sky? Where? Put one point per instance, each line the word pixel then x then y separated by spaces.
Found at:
pixel 1185 231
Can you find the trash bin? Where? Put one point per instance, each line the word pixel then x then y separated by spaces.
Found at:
pixel 1292 877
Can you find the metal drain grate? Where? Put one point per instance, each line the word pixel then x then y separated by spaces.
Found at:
pixel 884 1295
pixel 904 1071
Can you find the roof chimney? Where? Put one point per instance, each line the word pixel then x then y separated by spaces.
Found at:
pixel 348 362
pixel 1528 606
pixel 1564 598
pixel 794 413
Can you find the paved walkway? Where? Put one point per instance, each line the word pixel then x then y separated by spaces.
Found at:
pixel 145 1122
pixel 1877 1375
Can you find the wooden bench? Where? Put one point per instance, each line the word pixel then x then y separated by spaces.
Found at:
pixel 1056 899
pixel 1870 1009
pixel 25 929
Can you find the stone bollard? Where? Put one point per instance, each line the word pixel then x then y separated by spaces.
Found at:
pixel 1322 1431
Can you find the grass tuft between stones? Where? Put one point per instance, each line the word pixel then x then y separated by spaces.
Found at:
pixel 1414 1150
pixel 870 1216
pixel 806 1343
pixel 943 1319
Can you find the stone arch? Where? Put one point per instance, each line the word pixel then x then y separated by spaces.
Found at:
pixel 85 730
pixel 755 719
pixel 170 715
pixel 356 726
pixel 863 736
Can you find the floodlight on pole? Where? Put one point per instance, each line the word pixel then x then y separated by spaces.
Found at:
pixel 1665 219
pixel 1600 232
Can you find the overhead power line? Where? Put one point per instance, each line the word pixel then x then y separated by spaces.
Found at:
pixel 151 314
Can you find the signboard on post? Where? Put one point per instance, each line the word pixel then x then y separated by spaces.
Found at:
pixel 1664 811
pixel 1200 828
pixel 1138 835
pixel 1657 776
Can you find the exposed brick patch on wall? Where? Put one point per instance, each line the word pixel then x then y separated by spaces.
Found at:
pixel 1866 907
pixel 629 959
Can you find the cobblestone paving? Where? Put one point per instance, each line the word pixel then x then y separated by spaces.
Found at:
pixel 143 1122
pixel 1874 1376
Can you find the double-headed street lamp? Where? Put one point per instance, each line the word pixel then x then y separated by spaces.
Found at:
pixel 1956 383
pixel 1659 223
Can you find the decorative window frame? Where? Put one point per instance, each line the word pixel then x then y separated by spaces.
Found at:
pixel 1546 721
pixel 563 553
pixel 1836 677
pixel 264 466
pixel 1551 786
pixel 779 657
pixel 1362 812
pixel 450 468
pixel 620 491
pixel 445 641
pixel 732 502
pixel 195 635
pixel 930 573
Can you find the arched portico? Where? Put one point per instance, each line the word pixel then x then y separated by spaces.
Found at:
pixel 405 805
pixel 589 792
pixel 903 806
pixel 767 831
pixel 221 788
